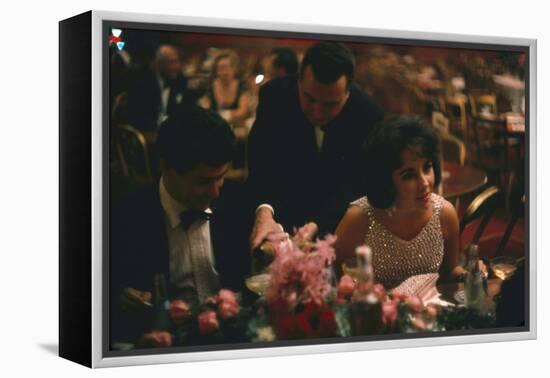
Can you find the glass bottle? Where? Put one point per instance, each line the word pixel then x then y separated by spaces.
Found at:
pixel 366 309
pixel 474 289
pixel 161 304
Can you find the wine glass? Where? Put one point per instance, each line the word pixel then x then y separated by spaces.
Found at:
pixel 504 266
pixel 258 283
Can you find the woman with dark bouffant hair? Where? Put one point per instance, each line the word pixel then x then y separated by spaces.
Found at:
pixel 411 230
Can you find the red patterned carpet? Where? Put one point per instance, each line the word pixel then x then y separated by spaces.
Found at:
pixel 492 235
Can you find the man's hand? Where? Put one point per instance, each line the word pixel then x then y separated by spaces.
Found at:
pixel 263 226
pixel 132 300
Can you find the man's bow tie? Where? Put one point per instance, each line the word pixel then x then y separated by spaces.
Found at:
pixel 188 217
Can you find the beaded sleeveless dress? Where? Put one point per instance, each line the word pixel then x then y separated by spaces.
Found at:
pixel 394 260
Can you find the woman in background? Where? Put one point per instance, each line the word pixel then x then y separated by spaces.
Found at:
pixel 411 230
pixel 227 95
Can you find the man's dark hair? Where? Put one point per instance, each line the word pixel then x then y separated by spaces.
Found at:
pixel 382 155
pixel 329 61
pixel 286 59
pixel 193 135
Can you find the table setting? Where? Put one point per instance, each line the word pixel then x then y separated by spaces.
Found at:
pixel 298 296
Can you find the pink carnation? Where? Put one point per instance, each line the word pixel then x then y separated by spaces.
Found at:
pixel 159 338
pixel 415 303
pixel 431 311
pixel 379 291
pixel 397 296
pixel 346 286
pixel 419 324
pixel 179 310
pixel 228 309
pixel 226 295
pixel 208 323
pixel 389 313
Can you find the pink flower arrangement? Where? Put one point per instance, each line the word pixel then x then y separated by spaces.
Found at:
pixel 158 338
pixel 346 286
pixel 300 285
pixel 228 305
pixel 301 276
pixel 179 310
pixel 208 322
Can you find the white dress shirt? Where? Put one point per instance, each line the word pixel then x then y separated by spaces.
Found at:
pixel 319 136
pixel 191 258
pixel 164 96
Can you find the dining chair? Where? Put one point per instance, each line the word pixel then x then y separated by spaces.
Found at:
pixel 482 207
pixel 119 109
pixel 132 152
pixel 518 211
pixel 483 103
pixel 452 148
pixel 455 107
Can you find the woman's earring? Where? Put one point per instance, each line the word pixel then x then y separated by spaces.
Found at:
pixel 390 210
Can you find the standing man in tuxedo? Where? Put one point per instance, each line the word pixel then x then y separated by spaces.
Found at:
pixel 191 227
pixel 304 145
pixel 155 93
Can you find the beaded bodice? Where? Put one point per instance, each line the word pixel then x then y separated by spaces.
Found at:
pixel 394 259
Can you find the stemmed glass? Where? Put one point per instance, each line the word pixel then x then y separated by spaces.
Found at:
pixel 258 283
pixel 504 266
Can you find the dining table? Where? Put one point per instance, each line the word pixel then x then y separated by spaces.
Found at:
pixel 458 180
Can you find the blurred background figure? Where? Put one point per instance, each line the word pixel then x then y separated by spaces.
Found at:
pixel 282 62
pixel 156 92
pixel 227 94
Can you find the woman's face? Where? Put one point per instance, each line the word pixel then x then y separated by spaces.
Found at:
pixel 413 181
pixel 225 70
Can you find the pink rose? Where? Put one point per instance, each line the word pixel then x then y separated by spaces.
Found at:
pixel 415 303
pixel 159 338
pixel 389 313
pixel 179 310
pixel 397 296
pixel 419 324
pixel 228 309
pixel 208 323
pixel 431 311
pixel 379 291
pixel 226 295
pixel 346 286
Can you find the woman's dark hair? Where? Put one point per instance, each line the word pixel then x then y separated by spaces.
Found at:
pixel 329 61
pixel 382 155
pixel 286 59
pixel 192 136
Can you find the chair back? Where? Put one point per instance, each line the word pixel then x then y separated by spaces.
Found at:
pixel 119 109
pixel 452 148
pixel 132 152
pixel 482 206
pixel 518 211
pixel 455 107
pixel 483 104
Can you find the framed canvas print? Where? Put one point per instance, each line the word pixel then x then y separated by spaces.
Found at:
pixel 234 189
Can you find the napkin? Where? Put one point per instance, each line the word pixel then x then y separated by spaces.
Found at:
pixel 424 287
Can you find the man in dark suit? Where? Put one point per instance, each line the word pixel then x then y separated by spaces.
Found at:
pixel 304 144
pixel 155 93
pixel 191 228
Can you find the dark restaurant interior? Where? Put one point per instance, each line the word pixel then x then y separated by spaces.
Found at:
pixel 473 96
